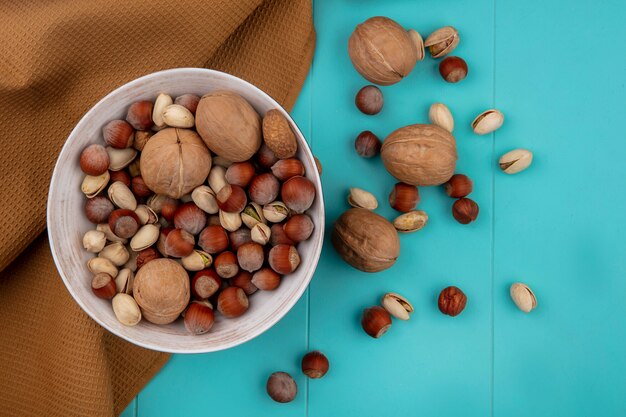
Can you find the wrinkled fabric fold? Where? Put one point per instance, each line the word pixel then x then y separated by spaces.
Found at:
pixel 60 58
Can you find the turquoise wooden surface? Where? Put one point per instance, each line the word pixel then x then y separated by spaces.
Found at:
pixel 556 69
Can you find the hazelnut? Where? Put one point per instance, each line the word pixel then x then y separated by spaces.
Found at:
pixel 141 138
pixel 160 244
pixel 189 101
pixel 103 286
pixel 94 241
pixel 139 187
pixel 240 173
pixel 213 239
pixel 161 289
pixel 243 280
pixel 453 69
pixel 278 236
pixel 265 157
pixel 179 243
pixel 232 302
pixel 404 197
pixel 382 51
pixel 120 176
pixel 260 233
pixel 315 364
pixel 264 188
pixel 281 387
pixel 94 160
pixel 124 223
pixel 369 100
pixel 118 134
pixel 226 264
pixel 250 256
pixel 375 321
pixel 205 283
pixel 299 227
pixel 284 259
pixel 287 168
pixel 199 317
pixel 367 144
pixel 458 186
pixel 168 208
pixel 465 210
pixel 298 194
pixel 145 256
pixel 98 209
pixel 452 301
pixel 232 199
pixel 266 279
pixel 140 115
pixel 214 220
pixel 239 237
pixel 189 217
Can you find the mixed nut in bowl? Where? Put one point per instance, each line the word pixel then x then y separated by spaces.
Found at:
pixel 185 212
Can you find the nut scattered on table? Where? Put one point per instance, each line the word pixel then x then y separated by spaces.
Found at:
pixel 397 305
pixel 315 364
pixel 281 387
pixel 453 69
pixel 515 161
pixel 375 321
pixel 487 122
pixel 369 100
pixel 404 197
pixel 442 41
pixel 367 144
pixel 411 221
pixel 360 198
pixel 523 297
pixel 440 115
pixel 452 301
pixel 459 186
pixel 465 210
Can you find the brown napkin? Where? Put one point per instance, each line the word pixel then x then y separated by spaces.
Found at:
pixel 58 59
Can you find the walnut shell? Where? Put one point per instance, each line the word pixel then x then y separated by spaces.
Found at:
pixel 420 154
pixel 174 162
pixel 365 240
pixel 278 135
pixel 382 51
pixel 229 125
pixel 161 288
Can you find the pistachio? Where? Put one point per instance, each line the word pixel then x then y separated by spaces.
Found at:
pixel 487 122
pixel 116 253
pixel 523 297
pixel 217 178
pixel 120 158
pixel 515 161
pixel 204 197
pixel 94 241
pixel 93 185
pixel 176 115
pixel 418 42
pixel 230 221
pixel 275 211
pixel 440 115
pixel 442 41
pixel 156 202
pixel 146 214
pixel 121 196
pixel 112 237
pixel 96 265
pixel 132 261
pixel 124 281
pixel 260 233
pixel 411 221
pixel 360 198
pixel 161 102
pixel 397 305
pixel 197 261
pixel 252 214
pixel 145 237
pixel 126 309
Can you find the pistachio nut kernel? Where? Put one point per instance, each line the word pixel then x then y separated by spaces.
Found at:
pixel 488 121
pixel 93 185
pixel 360 198
pixel 397 305
pixel 523 297
pixel 411 221
pixel 252 214
pixel 440 115
pixel 442 41
pixel 275 212
pixel 515 161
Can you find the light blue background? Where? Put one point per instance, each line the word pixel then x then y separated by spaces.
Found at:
pixel 556 69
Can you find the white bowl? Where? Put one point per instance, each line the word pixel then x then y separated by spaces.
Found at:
pixel 67 222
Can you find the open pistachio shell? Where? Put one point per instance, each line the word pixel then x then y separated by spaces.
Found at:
pixel 145 237
pixel 124 281
pixel 197 261
pixel 442 41
pixel 397 305
pixel 360 198
pixel 252 214
pixel 523 297
pixel 146 214
pixel 440 115
pixel 204 197
pixel 488 121
pixel 411 221
pixel 122 196
pixel 126 309
pixel 115 252
pixel 120 158
pixel 275 211
pixel 93 185
pixel 515 161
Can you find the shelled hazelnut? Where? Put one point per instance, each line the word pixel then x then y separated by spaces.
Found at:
pixel 367 144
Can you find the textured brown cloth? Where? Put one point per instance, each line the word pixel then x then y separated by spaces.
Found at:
pixel 59 57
